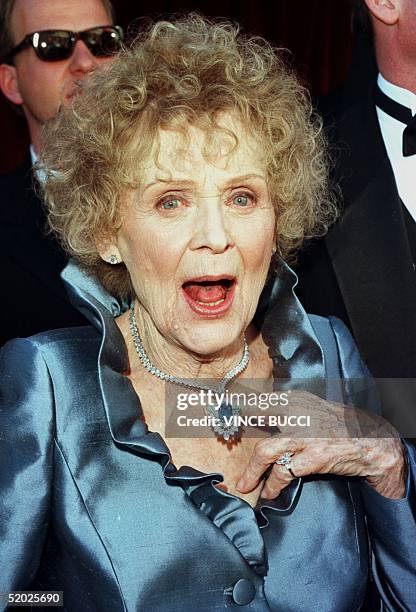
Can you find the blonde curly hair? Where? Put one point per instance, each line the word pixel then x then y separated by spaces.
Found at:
pixel 185 71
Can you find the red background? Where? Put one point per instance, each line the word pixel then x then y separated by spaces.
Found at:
pixel 317 34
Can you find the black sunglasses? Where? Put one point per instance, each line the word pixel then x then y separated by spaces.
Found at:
pixel 57 45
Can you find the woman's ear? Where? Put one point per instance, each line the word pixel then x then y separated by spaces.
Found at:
pixel 109 252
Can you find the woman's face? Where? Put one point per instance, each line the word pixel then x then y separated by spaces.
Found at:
pixel 197 239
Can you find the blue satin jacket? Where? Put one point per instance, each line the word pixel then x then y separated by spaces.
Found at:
pixel 91 504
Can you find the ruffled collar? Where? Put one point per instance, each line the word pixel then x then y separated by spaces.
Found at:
pixel 285 326
pixel 295 352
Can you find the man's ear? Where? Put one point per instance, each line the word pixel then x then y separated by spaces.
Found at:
pixel 386 11
pixel 9 83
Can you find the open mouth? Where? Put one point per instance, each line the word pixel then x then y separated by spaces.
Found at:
pixel 210 296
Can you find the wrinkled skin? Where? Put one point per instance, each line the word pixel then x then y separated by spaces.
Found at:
pixel 335 445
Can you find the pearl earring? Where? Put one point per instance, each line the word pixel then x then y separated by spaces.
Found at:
pixel 113 259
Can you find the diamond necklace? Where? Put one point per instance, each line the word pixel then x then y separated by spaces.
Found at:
pixel 223 423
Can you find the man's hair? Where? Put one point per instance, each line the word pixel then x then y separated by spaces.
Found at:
pixel 6 37
pixel 361 17
pixel 188 71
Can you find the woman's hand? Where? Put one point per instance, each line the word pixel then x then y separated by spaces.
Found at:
pixel 336 446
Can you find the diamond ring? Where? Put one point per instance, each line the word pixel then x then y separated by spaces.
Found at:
pixel 286 461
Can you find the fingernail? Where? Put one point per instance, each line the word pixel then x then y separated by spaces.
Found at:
pixel 240 484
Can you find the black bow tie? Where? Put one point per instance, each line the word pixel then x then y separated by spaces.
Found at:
pixel 402 114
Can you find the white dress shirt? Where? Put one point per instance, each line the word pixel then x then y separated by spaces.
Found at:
pixel 40 173
pixel 404 168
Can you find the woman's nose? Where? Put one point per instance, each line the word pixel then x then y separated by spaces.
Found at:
pixel 211 229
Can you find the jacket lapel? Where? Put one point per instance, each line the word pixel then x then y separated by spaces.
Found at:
pixel 127 427
pixel 369 248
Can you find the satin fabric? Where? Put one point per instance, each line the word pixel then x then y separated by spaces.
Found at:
pixel 92 505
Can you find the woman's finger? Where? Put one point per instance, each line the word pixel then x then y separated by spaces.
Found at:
pixel 277 480
pixel 264 454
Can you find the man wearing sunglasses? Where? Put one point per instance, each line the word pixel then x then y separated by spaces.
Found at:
pixel 47 48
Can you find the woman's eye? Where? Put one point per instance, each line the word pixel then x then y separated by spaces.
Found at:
pixel 170 204
pixel 242 199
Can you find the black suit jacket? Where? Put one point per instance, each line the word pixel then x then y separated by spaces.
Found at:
pixel 32 296
pixel 363 270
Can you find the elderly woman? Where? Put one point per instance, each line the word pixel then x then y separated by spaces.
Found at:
pixel 184 167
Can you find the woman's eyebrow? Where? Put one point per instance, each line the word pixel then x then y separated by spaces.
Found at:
pixel 245 177
pixel 172 182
